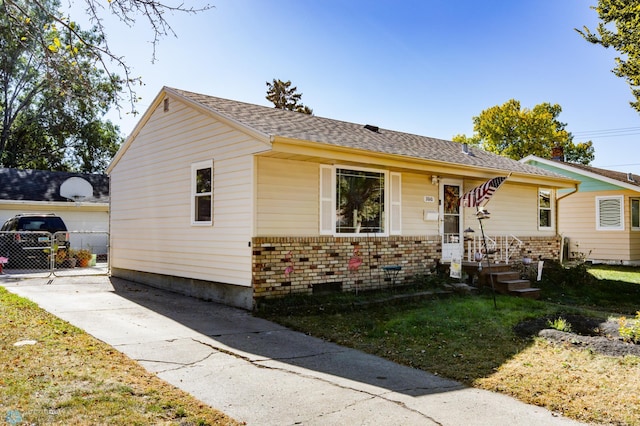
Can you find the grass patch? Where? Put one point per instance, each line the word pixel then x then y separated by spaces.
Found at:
pixel 69 377
pixel 606 288
pixel 465 338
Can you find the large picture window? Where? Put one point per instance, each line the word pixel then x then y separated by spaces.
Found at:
pixel 609 213
pixel 357 201
pixel 545 211
pixel 202 193
pixel 360 202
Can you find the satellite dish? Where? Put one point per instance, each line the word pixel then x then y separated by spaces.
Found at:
pixel 76 189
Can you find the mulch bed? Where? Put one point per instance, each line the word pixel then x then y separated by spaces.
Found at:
pixel 595 334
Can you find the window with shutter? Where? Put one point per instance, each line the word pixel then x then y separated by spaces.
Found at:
pixel 354 201
pixel 326 200
pixel 395 219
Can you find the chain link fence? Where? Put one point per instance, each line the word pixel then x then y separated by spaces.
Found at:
pixel 41 254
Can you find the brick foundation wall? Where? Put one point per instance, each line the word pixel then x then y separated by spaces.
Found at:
pixel 540 248
pixel 305 265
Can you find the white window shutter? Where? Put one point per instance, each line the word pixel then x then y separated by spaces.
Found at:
pixel 395 196
pixel 327 214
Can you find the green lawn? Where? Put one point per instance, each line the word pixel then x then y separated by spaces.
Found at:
pixel 466 338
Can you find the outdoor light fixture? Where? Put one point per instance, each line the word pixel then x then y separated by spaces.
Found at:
pixel 466 233
pixel 435 179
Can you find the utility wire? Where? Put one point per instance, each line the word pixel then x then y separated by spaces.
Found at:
pixel 622 131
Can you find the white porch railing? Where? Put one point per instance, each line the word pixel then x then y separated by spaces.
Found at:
pixel 500 248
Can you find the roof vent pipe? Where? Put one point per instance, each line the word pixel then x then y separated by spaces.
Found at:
pixel 465 148
pixel 630 177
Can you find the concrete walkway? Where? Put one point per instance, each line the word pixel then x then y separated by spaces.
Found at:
pixel 262 373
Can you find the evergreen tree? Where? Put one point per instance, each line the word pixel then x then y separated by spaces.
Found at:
pixel 283 96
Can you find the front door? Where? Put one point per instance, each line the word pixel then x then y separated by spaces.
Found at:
pixel 451 219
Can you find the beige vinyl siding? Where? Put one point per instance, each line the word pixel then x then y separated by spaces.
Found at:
pixel 514 211
pixel 414 188
pixel 578 224
pixel 151 199
pixel 287 198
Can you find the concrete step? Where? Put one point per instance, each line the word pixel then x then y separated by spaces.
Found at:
pixel 530 293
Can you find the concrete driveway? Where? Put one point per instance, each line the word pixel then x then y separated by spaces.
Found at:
pixel 260 372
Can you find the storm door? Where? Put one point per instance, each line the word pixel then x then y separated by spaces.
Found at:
pixel 451 219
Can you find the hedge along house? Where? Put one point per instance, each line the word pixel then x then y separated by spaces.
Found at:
pixel 235 202
pixel 600 222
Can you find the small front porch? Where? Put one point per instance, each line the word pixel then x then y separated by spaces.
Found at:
pixel 502 277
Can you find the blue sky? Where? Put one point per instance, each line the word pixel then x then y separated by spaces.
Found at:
pixel 424 67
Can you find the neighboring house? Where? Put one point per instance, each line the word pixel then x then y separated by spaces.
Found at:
pixel 234 202
pixel 39 191
pixel 601 220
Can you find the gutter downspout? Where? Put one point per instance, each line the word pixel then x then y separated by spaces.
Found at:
pixel 575 189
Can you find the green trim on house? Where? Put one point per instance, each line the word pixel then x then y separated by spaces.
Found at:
pixel 587 184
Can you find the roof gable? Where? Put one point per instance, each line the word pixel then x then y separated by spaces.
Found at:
pixel 44 185
pixel 591 178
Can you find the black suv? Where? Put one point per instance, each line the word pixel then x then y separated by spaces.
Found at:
pixel 25 239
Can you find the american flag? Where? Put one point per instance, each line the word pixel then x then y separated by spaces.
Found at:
pixel 481 194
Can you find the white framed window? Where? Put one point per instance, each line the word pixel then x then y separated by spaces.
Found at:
pixel 202 193
pixel 610 213
pixel 635 213
pixel 545 208
pixel 359 201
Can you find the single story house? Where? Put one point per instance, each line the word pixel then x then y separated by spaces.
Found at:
pixel 600 222
pixel 43 191
pixel 235 202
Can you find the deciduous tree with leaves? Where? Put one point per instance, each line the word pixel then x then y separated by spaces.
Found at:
pixel 516 132
pixel 52 96
pixel 57 81
pixel 283 96
pixel 620 29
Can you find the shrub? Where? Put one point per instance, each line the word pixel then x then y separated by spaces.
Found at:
pixel 557 275
pixel 630 330
pixel 560 324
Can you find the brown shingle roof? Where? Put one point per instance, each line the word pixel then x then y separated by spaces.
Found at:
pixel 294 125
pixel 628 178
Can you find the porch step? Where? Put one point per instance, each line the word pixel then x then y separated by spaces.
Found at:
pixel 529 293
pixel 507 275
pixel 507 286
pixel 510 283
